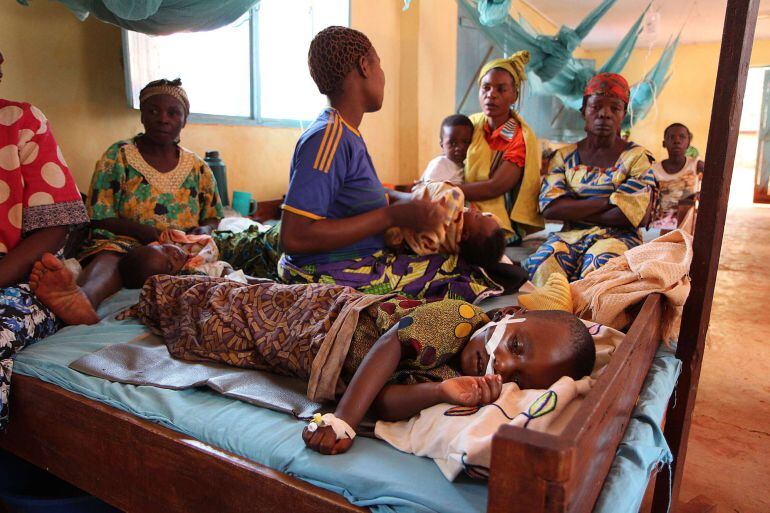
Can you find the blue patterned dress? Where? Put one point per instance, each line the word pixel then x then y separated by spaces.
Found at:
pixel 580 248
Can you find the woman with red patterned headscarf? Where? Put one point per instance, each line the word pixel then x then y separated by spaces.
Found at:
pixel 601 188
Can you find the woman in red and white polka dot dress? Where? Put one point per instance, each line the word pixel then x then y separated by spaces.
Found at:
pixel 39 203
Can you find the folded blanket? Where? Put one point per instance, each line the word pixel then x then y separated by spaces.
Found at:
pixel 659 266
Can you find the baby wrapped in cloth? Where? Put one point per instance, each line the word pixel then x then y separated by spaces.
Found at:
pixel 475 236
pixel 446 238
pixel 175 252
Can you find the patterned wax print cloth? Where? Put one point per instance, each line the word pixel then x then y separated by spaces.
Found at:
pixel 282 328
pixel 432 334
pixel 36 187
pixel 255 251
pixel 23 320
pixel 580 248
pixel 125 186
pixel 37 191
pixel 202 251
pixel 420 277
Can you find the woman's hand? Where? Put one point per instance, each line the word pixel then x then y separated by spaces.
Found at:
pixel 419 215
pixel 472 390
pixel 324 440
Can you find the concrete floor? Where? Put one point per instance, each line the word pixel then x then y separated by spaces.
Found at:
pixel 728 457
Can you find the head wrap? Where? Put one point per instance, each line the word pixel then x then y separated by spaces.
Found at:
pixel 169 87
pixel 333 53
pixel 610 85
pixel 514 65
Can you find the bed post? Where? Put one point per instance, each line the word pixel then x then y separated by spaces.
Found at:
pixel 737 39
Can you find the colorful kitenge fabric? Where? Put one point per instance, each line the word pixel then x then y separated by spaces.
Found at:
pixel 332 177
pixel 431 333
pixel 125 186
pixel 23 320
pixel 611 85
pixel 580 247
pixel 421 277
pixel 515 65
pixel 253 251
pixel 267 326
pixel 280 328
pixel 36 187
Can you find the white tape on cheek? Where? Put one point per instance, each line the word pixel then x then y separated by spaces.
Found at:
pixel 496 338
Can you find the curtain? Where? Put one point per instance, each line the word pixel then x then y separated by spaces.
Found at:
pixel 160 17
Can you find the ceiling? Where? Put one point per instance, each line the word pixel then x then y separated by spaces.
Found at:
pixel 702 19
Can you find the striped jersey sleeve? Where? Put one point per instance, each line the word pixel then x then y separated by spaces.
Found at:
pixel 318 169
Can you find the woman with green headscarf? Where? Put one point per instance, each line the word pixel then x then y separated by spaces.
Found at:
pixel 502 169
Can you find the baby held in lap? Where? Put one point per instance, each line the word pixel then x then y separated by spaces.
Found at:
pixel 475 236
pixel 176 252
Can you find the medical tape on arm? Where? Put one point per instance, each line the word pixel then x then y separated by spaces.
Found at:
pixel 341 428
pixel 497 337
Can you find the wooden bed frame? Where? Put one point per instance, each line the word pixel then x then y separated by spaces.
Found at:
pixel 139 466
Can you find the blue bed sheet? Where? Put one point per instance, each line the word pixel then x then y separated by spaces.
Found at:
pixel 371 474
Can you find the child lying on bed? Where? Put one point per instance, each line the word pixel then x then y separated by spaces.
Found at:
pixel 475 236
pixel 175 252
pixel 393 355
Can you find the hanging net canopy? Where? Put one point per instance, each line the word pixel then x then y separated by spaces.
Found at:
pixel 552 68
pixel 160 17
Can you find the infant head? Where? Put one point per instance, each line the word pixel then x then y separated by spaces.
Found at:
pixel 144 261
pixel 483 241
pixel 535 351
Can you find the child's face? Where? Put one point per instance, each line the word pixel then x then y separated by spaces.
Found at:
pixel 165 259
pixel 676 141
pixel 476 225
pixel 455 141
pixel 533 354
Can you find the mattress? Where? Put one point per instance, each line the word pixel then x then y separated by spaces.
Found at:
pixel 372 474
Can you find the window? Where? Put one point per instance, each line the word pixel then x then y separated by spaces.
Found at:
pixel 252 71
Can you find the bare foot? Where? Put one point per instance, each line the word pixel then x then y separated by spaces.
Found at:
pixel 55 286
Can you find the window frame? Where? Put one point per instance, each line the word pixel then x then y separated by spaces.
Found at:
pixel 255 119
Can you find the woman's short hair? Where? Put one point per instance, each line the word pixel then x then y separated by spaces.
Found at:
pixel 333 53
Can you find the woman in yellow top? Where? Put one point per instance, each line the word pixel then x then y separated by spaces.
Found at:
pixel 502 170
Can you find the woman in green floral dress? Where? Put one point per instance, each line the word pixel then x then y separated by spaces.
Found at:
pixel 140 187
